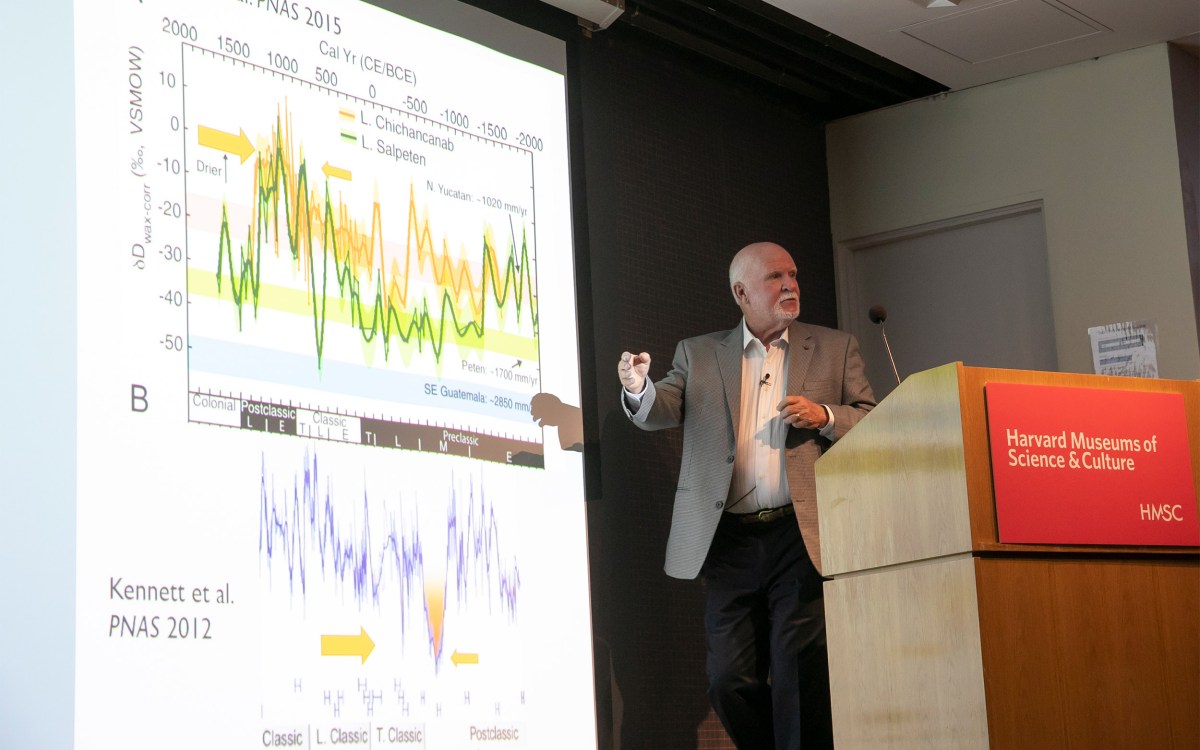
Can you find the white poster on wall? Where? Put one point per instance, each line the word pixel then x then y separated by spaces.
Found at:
pixel 1128 349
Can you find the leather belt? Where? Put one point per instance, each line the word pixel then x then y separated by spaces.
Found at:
pixel 764 516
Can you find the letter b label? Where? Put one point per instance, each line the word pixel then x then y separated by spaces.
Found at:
pixel 137 399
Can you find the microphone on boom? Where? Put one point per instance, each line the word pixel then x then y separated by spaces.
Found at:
pixel 878 314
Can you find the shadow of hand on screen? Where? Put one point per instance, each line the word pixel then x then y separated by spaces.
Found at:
pixel 549 411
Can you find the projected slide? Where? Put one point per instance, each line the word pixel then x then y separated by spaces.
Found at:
pixel 329 443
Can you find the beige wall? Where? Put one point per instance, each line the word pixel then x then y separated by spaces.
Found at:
pixel 1094 141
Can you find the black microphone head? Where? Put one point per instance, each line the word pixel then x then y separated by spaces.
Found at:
pixel 877 314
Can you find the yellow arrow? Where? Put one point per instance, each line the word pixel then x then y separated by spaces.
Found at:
pixel 335 171
pixel 348 645
pixel 238 145
pixel 458 658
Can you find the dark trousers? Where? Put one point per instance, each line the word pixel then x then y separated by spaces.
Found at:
pixel 764 616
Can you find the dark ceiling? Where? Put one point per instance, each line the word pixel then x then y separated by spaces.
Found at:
pixel 834 76
pixel 831 77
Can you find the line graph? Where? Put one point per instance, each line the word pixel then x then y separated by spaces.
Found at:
pixel 311 538
pixel 319 232
pixel 343 233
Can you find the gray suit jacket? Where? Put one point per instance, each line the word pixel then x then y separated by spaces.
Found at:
pixel 702 392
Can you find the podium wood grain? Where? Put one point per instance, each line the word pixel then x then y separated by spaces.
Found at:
pixel 942 637
pixel 906 646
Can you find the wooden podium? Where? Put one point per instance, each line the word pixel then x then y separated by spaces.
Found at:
pixel 941 636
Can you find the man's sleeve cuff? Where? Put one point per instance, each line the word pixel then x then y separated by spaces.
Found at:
pixel 827 430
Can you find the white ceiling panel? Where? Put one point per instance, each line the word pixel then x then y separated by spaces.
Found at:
pixel 981 41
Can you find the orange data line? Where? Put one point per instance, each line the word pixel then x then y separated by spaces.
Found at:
pixel 276 174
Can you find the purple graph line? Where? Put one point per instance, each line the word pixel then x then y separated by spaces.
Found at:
pixel 300 525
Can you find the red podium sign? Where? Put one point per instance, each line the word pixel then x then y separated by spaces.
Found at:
pixel 1090 466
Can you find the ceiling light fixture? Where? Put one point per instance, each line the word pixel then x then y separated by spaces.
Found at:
pixel 942 4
